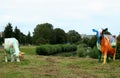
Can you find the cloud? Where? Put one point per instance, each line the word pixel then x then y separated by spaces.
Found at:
pixel 61 8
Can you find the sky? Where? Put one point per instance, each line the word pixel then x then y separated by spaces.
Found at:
pixel 79 15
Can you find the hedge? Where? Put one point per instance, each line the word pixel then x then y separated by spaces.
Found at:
pixel 94 52
pixel 54 49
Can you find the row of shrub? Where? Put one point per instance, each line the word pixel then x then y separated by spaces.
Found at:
pixel 81 50
pixel 54 49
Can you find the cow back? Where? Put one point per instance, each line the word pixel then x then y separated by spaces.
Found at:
pixel 11 41
pixel 106 44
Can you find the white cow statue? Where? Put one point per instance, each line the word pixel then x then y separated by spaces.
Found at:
pixel 11 46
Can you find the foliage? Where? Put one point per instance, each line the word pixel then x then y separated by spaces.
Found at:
pixel 59 36
pixel 92 41
pixel 73 36
pixel 43 32
pixel 22 38
pixel 68 47
pixel 17 34
pixel 48 49
pixel 94 52
pixel 82 50
pixel 8 32
pixel 29 38
pixel 85 40
pixel 54 49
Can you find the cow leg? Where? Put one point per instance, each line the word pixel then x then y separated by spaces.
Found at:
pixel 6 60
pixel 12 57
pixel 105 57
pixel 114 56
pixel 17 59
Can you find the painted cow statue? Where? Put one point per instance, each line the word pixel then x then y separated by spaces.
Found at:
pixel 106 44
pixel 11 46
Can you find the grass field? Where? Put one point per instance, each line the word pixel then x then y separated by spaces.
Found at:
pixel 35 66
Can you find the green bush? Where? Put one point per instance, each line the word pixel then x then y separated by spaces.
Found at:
pixel 68 47
pixel 81 51
pixel 94 53
pixel 41 50
pixel 57 48
pixel 54 49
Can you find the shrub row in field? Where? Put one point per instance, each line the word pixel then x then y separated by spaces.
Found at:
pixel 54 49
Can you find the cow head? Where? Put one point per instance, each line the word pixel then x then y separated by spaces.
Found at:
pixel 21 55
pixel 104 30
pixel 100 31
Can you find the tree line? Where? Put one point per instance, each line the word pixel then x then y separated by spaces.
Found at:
pixel 43 34
pixel 46 34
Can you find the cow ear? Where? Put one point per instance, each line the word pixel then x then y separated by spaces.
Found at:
pixel 106 29
pixel 94 30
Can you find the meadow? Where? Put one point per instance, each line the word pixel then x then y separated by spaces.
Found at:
pixel 39 66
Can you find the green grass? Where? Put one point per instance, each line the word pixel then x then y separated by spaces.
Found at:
pixel 31 50
pixel 66 54
pixel 35 66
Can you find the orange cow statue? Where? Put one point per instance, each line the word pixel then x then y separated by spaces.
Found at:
pixel 107 44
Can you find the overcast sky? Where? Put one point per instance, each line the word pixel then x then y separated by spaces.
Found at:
pixel 79 15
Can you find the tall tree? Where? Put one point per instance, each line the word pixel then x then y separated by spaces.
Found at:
pixel 23 39
pixel 43 33
pixel 29 38
pixel 8 32
pixel 73 36
pixel 17 34
pixel 59 36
